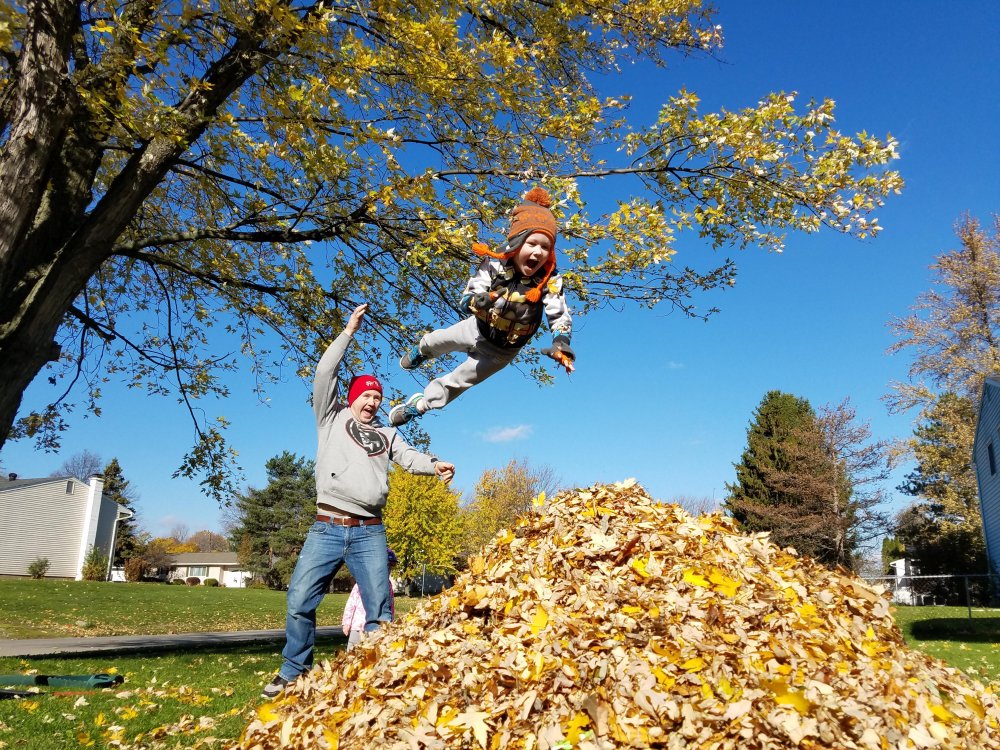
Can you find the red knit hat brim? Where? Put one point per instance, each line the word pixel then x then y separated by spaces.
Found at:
pixel 360 384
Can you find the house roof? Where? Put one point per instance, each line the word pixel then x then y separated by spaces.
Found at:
pixel 7 484
pixel 206 558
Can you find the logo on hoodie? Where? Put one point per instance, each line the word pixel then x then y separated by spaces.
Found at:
pixel 367 437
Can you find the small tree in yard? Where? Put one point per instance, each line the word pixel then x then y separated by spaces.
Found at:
pixel 38 567
pixel 135 569
pixel 95 565
pixel 421 524
pixel 500 497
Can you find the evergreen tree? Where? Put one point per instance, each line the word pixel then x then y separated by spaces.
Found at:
pixel 272 522
pixel 422 524
pixel 943 529
pixel 812 482
pixel 892 549
pixel 777 421
pixel 128 540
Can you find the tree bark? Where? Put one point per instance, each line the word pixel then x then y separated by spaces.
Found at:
pixel 38 115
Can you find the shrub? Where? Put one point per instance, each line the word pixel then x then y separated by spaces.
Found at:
pixel 135 569
pixel 179 581
pixel 95 565
pixel 210 582
pixel 39 567
pixel 193 580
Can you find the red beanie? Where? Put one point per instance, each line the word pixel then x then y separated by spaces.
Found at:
pixel 360 384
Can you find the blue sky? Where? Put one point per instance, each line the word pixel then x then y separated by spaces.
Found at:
pixel 658 396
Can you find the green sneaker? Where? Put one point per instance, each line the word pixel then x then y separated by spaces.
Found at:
pixel 412 359
pixel 404 412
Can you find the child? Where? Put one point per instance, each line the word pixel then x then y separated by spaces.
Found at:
pixel 507 296
pixel 354 617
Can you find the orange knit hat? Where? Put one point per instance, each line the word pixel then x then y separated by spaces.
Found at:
pixel 531 216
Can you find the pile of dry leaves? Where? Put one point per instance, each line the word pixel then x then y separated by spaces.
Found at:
pixel 609 620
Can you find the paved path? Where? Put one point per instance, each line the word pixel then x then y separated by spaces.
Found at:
pixel 126 643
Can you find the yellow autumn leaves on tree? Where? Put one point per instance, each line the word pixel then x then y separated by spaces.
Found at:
pixel 233 177
pixel 636 625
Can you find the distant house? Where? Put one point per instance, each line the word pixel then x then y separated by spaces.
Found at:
pixel 986 457
pixel 224 567
pixel 901 584
pixel 57 518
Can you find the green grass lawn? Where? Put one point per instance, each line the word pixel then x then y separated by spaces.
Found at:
pixel 972 645
pixel 199 697
pixel 211 691
pixel 202 698
pixel 61 609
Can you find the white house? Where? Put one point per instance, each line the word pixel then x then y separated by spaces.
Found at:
pixel 986 458
pixel 58 518
pixel 224 567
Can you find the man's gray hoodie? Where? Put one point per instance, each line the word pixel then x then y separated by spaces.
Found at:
pixel 352 459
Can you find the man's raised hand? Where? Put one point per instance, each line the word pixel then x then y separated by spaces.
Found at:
pixel 354 322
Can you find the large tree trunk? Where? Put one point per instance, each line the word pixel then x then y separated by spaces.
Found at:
pixel 35 121
pixel 38 110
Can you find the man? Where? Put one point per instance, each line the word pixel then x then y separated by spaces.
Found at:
pixel 352 482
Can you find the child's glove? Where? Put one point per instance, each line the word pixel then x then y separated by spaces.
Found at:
pixel 561 352
pixel 481 301
pixel 560 345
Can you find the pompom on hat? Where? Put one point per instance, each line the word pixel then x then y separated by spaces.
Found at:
pixel 360 384
pixel 533 215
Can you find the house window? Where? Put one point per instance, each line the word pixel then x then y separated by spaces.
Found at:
pixel 69 488
pixel 993 460
pixel 198 570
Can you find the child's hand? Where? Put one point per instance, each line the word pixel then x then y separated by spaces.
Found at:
pixel 354 322
pixel 481 301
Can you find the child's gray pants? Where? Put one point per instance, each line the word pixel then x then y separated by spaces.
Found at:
pixel 484 359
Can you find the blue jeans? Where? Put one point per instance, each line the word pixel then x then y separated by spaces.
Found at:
pixel 327 547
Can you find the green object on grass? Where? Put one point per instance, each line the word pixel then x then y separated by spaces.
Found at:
pixel 63 680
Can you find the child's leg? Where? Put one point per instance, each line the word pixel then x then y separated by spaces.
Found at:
pixel 484 360
pixel 460 337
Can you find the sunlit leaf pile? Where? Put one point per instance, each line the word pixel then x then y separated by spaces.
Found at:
pixel 609 620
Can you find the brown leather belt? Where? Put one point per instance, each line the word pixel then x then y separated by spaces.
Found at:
pixel 348 521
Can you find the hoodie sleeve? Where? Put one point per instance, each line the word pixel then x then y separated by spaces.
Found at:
pixel 325 382
pixel 410 458
pixel 557 312
pixel 480 282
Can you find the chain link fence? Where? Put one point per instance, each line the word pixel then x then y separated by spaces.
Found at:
pixel 970 591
